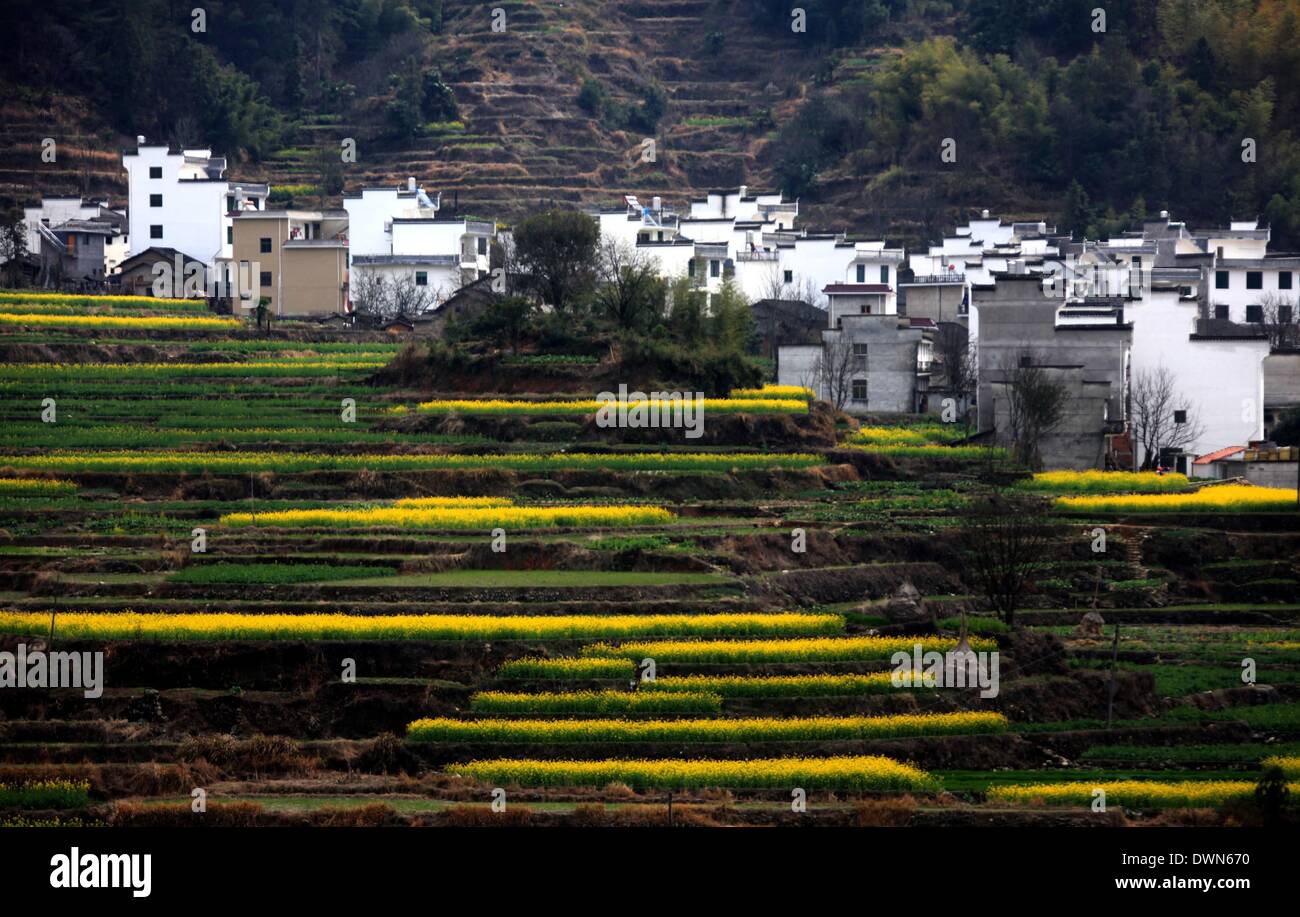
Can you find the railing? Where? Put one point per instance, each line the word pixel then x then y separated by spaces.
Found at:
pixel 710 250
pixel 757 256
pixel 950 277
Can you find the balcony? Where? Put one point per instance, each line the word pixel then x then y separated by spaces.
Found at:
pixel 949 277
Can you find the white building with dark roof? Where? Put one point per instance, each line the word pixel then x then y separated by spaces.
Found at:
pixel 182 199
pixel 397 233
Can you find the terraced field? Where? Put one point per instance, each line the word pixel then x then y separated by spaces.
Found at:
pixel 449 617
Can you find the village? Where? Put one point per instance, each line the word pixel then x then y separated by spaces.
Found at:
pixel 1175 347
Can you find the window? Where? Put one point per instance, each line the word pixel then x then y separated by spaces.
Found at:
pixel 1255 314
pixel 862 273
pixel 264 279
pixel 1254 280
pixel 230 203
pixel 155 232
pixel 1284 314
pixel 715 268
pixel 264 246
pixel 482 244
pixel 1284 280
pixel 421 278
pixel 884 273
pixel 866 308
pixel 860 358
pixel 860 390
pixel 230 235
pixel 1221 280
pixel 787 277
pixel 1180 417
pixel 1221 312
pixel 155 171
pixel 155 200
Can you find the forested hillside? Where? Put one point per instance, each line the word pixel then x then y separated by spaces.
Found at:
pixel 1042 107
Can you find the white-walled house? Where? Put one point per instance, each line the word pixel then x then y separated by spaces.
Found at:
pixel 749 239
pixel 1217 368
pixel 183 201
pixel 397 233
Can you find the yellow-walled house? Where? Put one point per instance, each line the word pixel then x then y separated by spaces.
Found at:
pixel 296 259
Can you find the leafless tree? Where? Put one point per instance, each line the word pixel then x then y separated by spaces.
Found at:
pixel 1281 320
pixel 1160 416
pixel 799 287
pixel 833 372
pixel 629 290
pixel 381 296
pixel 1035 401
pixel 369 291
pixel 954 348
pixel 1005 537
pixel 406 297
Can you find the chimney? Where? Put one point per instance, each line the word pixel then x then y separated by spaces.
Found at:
pixel 410 184
pixel 984 215
pixel 139 139
pixel 656 203
pixel 1164 215
pixel 744 190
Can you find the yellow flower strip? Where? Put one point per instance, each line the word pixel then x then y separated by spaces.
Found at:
pixel 128 625
pixel 284 462
pixel 1226 498
pixel 1137 793
pixel 488 517
pixel 1103 482
pixel 749 729
pixel 870 773
pixel 591 406
pixel 147 322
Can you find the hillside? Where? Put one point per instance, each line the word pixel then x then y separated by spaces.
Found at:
pixel 851 116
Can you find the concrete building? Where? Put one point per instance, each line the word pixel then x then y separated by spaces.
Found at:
pixel 1085 349
pixel 296 259
pixel 399 235
pixel 55 212
pixel 181 199
pixel 886 360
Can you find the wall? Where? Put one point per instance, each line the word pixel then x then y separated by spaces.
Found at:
pixel 1222 380
pixel 314 278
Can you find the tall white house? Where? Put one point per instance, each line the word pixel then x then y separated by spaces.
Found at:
pixel 398 234
pixel 182 200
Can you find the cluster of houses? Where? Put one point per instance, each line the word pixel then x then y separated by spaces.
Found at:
pixel 874 329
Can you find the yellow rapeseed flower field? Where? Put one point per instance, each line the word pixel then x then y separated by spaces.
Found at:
pixel 1290 765
pixel 128 625
pixel 593 702
pixel 749 729
pixel 774 685
pixel 453 517
pixel 142 301
pixel 1105 482
pixel 814 649
pixel 591 406
pixel 123 322
pixel 778 392
pixel 286 462
pixel 1225 498
pixel 867 773
pixel 1133 793
pixel 39 486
